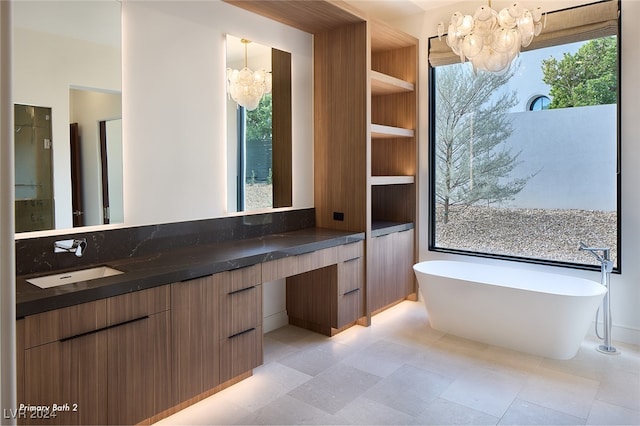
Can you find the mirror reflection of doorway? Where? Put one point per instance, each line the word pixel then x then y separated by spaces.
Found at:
pixel 34 205
pixel 76 176
pixel 110 135
pixel 89 108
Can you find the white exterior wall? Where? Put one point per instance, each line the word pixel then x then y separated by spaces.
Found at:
pixel 572 152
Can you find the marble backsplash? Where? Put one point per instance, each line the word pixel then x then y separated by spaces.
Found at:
pixel 35 255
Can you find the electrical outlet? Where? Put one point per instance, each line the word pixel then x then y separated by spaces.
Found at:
pixel 338 216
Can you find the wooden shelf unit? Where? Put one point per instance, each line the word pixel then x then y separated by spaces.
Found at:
pixel 393 165
pixel 379 131
pixel 392 180
pixel 383 84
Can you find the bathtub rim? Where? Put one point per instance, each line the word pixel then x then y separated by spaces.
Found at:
pixel 597 288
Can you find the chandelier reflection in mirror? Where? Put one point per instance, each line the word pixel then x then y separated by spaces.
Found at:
pixel 247 87
pixel 491 40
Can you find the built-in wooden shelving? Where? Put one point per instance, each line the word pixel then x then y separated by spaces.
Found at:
pixel 383 84
pixel 379 131
pixel 392 180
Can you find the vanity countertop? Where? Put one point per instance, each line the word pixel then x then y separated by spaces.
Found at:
pixel 176 265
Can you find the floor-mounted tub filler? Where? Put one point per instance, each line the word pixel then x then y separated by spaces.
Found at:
pixel 603 254
pixel 535 312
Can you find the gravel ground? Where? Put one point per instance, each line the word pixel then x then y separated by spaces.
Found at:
pixel 258 196
pixel 538 233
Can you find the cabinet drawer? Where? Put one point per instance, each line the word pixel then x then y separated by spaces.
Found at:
pixel 130 306
pixel 350 251
pixel 237 279
pixel 294 265
pixel 350 307
pixel 350 292
pixel 240 310
pixel 350 275
pixel 86 317
pixel 65 322
pixel 240 296
pixel 240 353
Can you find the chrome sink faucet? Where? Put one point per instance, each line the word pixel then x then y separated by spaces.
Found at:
pixel 77 246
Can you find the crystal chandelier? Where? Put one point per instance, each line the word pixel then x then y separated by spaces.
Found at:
pixel 491 40
pixel 247 87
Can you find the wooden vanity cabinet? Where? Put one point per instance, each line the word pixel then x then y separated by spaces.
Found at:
pixel 65 362
pixel 391 269
pixel 216 329
pixel 195 333
pixel 240 296
pixel 101 362
pixel 138 355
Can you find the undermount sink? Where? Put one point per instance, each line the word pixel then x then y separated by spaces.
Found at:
pixel 74 276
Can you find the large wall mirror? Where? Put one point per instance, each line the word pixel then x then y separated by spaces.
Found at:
pixel 259 137
pixel 68 113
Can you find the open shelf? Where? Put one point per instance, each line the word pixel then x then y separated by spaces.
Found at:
pixel 379 131
pixel 383 84
pixel 392 180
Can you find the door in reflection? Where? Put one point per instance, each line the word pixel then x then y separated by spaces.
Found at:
pixel 34 208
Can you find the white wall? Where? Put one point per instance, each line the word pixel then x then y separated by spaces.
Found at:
pixel 625 288
pixel 175 107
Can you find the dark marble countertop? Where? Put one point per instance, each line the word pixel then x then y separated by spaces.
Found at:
pixel 175 265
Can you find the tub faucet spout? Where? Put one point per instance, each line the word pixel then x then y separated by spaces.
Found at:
pixel 606 252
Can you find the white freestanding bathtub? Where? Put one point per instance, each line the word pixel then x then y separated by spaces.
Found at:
pixel 536 312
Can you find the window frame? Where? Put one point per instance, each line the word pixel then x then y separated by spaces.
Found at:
pixel 534 101
pixel 431 149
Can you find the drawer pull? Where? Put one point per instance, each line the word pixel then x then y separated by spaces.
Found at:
pixel 64 339
pixel 241 290
pixel 242 332
pixel 352 291
pixel 351 260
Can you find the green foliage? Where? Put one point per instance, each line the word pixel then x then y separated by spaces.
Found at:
pixel 259 120
pixel 472 165
pixel 588 77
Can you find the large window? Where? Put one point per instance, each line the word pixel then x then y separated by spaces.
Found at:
pixel 512 181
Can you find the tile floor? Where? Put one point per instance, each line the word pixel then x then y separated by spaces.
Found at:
pixel 400 371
